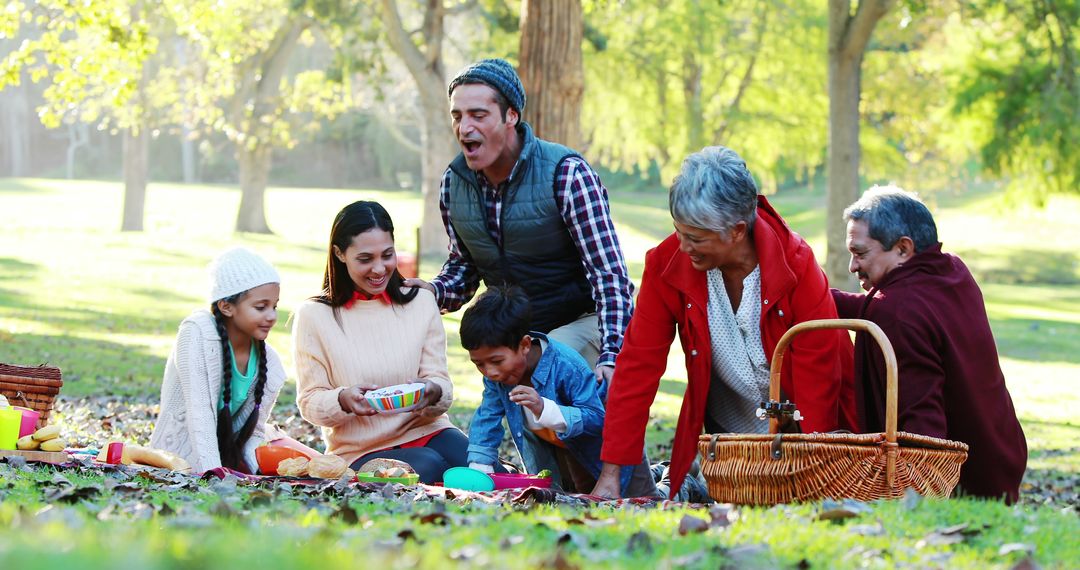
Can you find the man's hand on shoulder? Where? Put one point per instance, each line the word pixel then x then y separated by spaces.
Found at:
pixel 416 282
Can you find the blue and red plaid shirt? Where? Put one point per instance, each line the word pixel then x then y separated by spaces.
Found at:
pixel 583 203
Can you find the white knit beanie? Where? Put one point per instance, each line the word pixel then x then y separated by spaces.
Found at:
pixel 238 270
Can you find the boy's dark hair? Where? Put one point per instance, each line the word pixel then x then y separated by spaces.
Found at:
pixel 501 316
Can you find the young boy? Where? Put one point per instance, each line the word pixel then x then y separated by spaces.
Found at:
pixel 546 392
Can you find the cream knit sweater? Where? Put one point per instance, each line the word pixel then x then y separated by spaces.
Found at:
pixel 187 422
pixel 377 344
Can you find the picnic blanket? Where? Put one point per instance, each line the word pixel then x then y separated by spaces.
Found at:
pixel 518 496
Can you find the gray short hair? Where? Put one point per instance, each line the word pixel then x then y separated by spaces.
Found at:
pixel 714 191
pixel 890 213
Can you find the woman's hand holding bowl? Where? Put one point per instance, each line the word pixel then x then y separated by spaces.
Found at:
pixel 352 400
pixel 432 395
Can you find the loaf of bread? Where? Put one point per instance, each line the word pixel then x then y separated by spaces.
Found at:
pixel 293 467
pixel 327 466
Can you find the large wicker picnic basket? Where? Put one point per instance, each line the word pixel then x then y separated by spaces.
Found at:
pixel 766 469
pixel 33 387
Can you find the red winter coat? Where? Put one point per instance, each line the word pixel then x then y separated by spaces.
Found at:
pixel 950 382
pixel 674 296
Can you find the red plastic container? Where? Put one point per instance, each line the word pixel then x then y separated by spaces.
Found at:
pixel 115 453
pixel 517 480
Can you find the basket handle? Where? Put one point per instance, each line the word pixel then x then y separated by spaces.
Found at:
pixel 890 371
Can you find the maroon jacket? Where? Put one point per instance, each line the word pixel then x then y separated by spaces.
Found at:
pixel 674 296
pixel 951 385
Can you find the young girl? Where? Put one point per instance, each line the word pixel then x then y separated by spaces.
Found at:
pixel 222 379
pixel 365 331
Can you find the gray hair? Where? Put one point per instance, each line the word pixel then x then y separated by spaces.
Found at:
pixel 714 191
pixel 890 213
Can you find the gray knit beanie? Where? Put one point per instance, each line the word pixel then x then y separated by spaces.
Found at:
pixel 238 270
pixel 497 74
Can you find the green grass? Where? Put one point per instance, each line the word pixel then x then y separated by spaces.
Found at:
pixel 104 306
pixel 144 524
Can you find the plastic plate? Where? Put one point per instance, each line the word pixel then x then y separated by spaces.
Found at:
pixel 369 477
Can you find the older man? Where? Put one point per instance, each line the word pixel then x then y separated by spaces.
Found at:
pixel 930 307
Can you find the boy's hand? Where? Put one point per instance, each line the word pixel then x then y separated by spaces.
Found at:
pixel 352 400
pixel 528 397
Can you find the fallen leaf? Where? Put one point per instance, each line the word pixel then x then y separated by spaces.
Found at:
pixel 867 529
pixel 1026 564
pixel 840 510
pixel 639 541
pixel 435 518
pixel 1011 547
pixel 692 525
pixel 722 515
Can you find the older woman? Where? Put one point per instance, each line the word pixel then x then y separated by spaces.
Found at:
pixel 731 279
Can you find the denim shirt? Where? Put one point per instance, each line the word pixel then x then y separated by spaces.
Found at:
pixel 563 377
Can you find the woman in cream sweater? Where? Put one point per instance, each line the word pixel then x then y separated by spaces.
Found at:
pixel 365 331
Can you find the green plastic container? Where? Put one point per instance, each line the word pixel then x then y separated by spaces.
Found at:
pixel 10 421
pixel 467 479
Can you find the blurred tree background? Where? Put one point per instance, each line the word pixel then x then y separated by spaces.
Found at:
pixel 352 93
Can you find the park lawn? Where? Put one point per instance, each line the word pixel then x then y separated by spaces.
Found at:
pixel 104 306
pixel 119 521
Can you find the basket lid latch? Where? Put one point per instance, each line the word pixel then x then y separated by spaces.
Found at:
pixel 774 449
pixel 774 409
pixel 712 447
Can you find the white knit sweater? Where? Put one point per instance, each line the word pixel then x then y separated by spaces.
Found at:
pixel 377 344
pixel 187 422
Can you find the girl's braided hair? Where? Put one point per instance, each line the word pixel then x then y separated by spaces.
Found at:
pixel 231 445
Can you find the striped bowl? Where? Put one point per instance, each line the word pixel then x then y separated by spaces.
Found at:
pixel 397 398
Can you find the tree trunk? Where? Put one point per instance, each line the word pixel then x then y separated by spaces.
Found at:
pixel 848 37
pixel 439 149
pixel 551 68
pixel 843 169
pixel 437 138
pixel 254 171
pixel 255 150
pixel 695 110
pixel 136 162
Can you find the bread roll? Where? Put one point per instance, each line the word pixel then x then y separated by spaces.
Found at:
pixel 293 467
pixel 327 466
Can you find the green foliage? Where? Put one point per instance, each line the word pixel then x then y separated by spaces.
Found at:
pixel 94 55
pixel 1024 81
pixel 741 74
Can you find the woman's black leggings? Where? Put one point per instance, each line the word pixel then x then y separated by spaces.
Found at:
pixel 446 450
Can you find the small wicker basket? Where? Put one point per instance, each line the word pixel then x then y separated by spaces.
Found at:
pixel 759 469
pixel 33 387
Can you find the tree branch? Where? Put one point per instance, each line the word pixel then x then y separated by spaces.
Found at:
pixel 744 83
pixel 861 26
pixel 399 40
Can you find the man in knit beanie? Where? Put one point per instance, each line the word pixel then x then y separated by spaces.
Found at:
pixel 524 211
